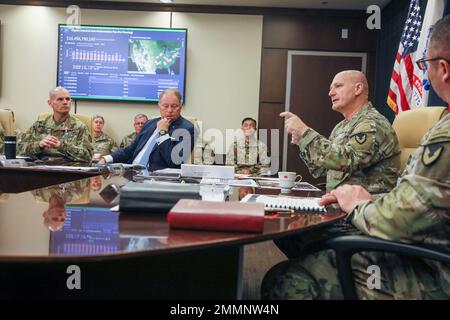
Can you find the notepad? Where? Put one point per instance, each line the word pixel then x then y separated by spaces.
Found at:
pixel 286 203
pixel 68 168
pixel 274 183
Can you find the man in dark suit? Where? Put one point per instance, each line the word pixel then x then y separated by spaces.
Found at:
pixel 164 142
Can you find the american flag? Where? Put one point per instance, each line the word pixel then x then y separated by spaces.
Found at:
pixel 406 87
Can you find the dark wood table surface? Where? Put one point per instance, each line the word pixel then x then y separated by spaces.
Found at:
pixel 137 252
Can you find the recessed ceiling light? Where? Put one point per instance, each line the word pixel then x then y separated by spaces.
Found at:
pixel 166 1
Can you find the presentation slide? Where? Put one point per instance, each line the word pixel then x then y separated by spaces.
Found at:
pixel 121 63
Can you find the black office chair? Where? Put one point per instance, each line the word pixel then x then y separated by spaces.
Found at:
pixel 346 246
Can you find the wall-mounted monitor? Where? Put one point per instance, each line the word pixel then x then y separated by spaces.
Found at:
pixel 120 63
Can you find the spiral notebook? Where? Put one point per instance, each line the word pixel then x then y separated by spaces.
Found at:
pixel 273 203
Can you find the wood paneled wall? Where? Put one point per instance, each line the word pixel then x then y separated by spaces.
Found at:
pixel 314 31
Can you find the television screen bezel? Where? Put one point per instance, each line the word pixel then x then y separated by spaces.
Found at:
pixel 151 101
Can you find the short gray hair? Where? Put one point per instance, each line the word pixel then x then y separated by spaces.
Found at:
pixel 440 36
pixel 51 93
pixel 98 116
pixel 173 91
pixel 140 115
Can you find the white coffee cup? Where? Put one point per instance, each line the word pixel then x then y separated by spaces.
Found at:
pixel 288 179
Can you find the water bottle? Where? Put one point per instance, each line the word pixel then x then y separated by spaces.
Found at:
pixel 10 147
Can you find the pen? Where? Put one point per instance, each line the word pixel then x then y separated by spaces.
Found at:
pixel 279 210
pixel 280 213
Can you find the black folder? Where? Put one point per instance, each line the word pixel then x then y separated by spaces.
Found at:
pixel 155 196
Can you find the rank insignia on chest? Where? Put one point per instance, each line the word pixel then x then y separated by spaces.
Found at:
pixel 360 138
pixel 431 153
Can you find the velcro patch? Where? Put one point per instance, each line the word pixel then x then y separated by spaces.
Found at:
pixel 432 153
pixel 360 138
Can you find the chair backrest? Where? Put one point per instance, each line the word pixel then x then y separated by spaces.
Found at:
pixel 411 126
pixel 86 119
pixel 198 127
pixel 7 121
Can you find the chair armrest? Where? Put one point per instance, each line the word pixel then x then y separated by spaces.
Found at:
pixel 354 244
pixel 346 246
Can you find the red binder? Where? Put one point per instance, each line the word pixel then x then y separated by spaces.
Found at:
pixel 221 216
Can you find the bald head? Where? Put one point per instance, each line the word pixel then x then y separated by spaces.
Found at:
pixel 349 92
pixel 54 92
pixel 59 100
pixel 356 77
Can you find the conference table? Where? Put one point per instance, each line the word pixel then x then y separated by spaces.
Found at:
pixel 59 238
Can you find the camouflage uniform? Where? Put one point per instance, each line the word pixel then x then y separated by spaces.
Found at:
pixel 416 211
pixel 360 151
pixel 126 141
pixel 251 155
pixel 69 192
pixel 104 144
pixel 204 154
pixel 76 141
pixel 19 134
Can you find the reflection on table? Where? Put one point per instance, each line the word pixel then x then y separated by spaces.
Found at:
pixel 44 230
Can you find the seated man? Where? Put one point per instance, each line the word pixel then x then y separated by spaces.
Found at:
pixel 361 149
pixel 102 143
pixel 139 121
pixel 417 211
pixel 2 139
pixel 59 136
pixel 248 153
pixel 163 142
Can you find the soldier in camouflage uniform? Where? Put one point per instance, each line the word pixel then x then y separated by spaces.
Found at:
pixel 102 143
pixel 57 197
pixel 60 136
pixel 361 149
pixel 139 121
pixel 416 211
pixel 248 154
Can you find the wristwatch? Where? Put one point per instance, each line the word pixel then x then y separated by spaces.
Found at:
pixel 162 132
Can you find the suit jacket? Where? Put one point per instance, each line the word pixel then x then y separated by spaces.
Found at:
pixel 161 156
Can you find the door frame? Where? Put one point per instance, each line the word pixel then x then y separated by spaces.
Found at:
pixel 291 53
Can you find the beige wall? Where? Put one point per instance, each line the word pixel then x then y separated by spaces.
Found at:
pixel 223 64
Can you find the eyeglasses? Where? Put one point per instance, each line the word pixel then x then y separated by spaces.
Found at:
pixel 423 65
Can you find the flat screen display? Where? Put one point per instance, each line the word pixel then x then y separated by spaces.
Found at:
pixel 121 63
